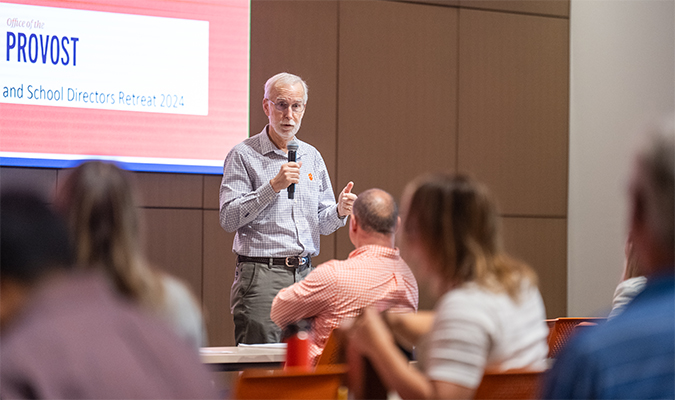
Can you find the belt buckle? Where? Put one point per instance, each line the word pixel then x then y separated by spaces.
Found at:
pixel 295 261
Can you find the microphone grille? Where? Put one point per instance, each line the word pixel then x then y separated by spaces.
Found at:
pixel 292 145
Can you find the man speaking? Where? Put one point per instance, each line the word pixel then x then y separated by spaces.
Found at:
pixel 276 233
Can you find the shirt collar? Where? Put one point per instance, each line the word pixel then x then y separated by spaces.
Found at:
pixel 657 283
pixel 375 250
pixel 267 146
pixel 664 278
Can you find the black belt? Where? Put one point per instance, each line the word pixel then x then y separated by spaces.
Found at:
pixel 295 261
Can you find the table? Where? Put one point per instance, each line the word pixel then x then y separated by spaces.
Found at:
pixel 237 358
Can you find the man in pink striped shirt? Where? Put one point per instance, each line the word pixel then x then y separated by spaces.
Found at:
pixel 374 274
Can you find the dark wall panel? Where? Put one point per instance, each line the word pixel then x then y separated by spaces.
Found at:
pixel 559 8
pixel 542 243
pixel 513 112
pixel 445 3
pixel 219 265
pixel 40 180
pixel 174 243
pixel 212 191
pixel 159 190
pixel 398 95
pixel 170 190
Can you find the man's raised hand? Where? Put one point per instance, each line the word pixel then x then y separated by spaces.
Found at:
pixel 346 201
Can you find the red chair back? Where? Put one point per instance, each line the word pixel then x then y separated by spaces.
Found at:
pixel 292 383
pixel 334 350
pixel 562 330
pixel 518 384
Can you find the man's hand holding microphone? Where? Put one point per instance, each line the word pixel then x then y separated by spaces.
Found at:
pixel 289 175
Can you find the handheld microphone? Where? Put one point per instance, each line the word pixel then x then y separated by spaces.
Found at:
pixel 292 147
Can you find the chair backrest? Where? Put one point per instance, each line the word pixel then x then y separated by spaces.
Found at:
pixel 334 350
pixel 550 323
pixel 362 378
pixel 562 331
pixel 292 383
pixel 516 384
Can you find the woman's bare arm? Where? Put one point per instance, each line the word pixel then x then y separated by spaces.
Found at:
pixel 410 327
pixel 372 338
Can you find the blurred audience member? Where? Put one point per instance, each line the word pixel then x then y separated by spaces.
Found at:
pixel 374 274
pixel 100 207
pixel 632 282
pixel 491 314
pixel 633 355
pixel 66 335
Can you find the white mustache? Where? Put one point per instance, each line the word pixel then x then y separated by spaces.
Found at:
pixel 290 122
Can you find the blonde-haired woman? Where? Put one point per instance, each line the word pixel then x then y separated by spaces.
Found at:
pixel 490 315
pixel 99 203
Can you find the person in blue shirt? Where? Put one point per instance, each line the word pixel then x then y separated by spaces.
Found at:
pixel 633 355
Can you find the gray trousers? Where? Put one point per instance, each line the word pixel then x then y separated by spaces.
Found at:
pixel 253 289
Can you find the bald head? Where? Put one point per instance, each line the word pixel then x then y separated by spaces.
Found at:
pixel 376 211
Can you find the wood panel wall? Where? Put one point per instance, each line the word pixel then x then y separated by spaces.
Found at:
pixel 397 88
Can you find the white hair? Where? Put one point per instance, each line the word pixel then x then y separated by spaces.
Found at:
pixel 284 78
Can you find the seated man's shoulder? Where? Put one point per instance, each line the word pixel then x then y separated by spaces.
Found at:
pixel 339 271
pixel 329 267
pixel 595 361
pixel 648 309
pixel 645 330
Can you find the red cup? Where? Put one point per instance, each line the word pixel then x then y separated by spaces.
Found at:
pixel 297 350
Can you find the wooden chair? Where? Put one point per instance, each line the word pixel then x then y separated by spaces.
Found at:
pixel 550 323
pixel 292 383
pixel 362 378
pixel 334 351
pixel 515 384
pixel 563 329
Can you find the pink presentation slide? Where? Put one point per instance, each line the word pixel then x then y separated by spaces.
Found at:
pixel 156 85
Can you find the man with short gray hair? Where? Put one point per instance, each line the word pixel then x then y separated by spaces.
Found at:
pixel 373 275
pixel 276 235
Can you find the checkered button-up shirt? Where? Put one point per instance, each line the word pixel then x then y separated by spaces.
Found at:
pixel 337 290
pixel 267 223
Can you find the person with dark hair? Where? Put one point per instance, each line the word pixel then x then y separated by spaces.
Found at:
pixel 633 355
pixel 33 240
pixel 98 200
pixel 490 316
pixel 65 333
pixel 374 274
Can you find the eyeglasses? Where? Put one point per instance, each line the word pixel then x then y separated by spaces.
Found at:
pixel 282 105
